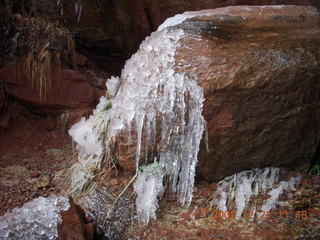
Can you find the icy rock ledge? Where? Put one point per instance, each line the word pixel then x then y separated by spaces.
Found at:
pixel 152 101
pixel 239 189
pixel 37 219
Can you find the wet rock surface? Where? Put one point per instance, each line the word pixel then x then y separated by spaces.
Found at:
pixel 70 90
pixel 35 165
pixel 73 226
pixel 200 222
pixel 260 74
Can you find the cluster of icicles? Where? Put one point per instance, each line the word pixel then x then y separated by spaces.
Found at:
pixel 236 191
pixel 163 109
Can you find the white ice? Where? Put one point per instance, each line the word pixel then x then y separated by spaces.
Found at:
pixel 150 103
pixel 241 187
pixel 37 219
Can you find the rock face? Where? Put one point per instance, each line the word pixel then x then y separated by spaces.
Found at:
pixel 73 226
pixel 2 97
pixel 110 31
pixel 69 90
pixel 259 68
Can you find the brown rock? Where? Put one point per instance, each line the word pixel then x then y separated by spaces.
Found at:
pixel 69 89
pixel 102 30
pixel 259 68
pixel 81 59
pixel 35 174
pixel 5 116
pixel 2 97
pixel 76 114
pixel 72 226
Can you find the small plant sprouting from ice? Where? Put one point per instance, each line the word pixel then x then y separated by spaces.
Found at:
pixel 37 219
pixel 239 188
pixel 148 187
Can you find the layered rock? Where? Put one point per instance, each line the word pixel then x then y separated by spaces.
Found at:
pixel 70 90
pixel 111 31
pixel 259 68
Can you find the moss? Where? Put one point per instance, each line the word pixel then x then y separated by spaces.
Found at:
pixel 314 170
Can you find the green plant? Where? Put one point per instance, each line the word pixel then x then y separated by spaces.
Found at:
pixel 107 107
pixel 314 170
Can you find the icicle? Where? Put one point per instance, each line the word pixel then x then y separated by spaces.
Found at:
pixel 240 187
pixel 152 95
pixel 149 186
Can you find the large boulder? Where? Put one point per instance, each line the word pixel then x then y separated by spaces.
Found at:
pixel 259 68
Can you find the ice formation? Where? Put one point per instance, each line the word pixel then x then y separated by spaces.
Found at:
pixel 149 186
pixel 153 102
pixel 37 219
pixel 241 187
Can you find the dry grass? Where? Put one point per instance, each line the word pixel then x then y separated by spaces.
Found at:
pixel 46 45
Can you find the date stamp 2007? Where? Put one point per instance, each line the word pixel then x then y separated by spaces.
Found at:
pixel 261 215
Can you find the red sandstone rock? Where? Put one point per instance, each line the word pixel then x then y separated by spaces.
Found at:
pixel 5 116
pixel 72 226
pixel 81 59
pixel 69 90
pixel 2 97
pixel 259 68
pixel 260 73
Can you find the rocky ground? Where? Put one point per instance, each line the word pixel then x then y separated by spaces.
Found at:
pixel 198 222
pixel 34 152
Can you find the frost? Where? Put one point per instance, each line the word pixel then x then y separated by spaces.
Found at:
pixel 162 108
pixel 275 193
pixel 37 219
pixel 239 189
pixel 148 187
pixel 113 85
pixel 175 20
pixel 85 135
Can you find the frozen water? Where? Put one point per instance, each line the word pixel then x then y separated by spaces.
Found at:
pixel 86 136
pixel 276 193
pixel 37 219
pixel 241 187
pixel 175 20
pixel 113 85
pixel 161 107
pixel 148 187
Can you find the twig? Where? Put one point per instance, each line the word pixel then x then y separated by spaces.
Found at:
pixel 114 203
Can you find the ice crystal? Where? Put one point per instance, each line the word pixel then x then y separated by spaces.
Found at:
pixel 162 107
pixel 239 188
pixel 148 187
pixel 37 219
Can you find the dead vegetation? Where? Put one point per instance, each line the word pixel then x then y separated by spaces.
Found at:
pixel 45 46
